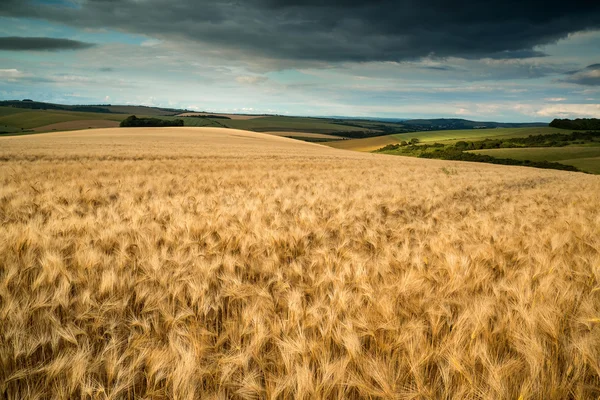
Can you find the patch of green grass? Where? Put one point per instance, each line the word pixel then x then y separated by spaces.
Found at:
pixel 586 158
pixel 6 129
pixel 591 164
pixel 11 110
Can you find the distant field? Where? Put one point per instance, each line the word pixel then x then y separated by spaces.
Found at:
pixel 14 119
pixel 4 111
pixel 585 158
pixel 370 144
pixel 140 110
pixel 585 164
pixel 272 124
pixel 232 116
pixel 291 124
pixel 29 119
pixel 190 263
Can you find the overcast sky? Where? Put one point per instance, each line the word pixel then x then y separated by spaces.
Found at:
pixel 526 60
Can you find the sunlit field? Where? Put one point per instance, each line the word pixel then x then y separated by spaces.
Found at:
pixel 188 263
pixel 444 136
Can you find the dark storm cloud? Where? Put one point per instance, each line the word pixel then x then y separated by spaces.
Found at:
pixel 344 30
pixel 439 68
pixel 16 43
pixel 589 76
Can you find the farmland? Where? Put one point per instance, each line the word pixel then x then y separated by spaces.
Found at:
pixel 446 136
pixel 218 263
pixel 565 150
pixel 15 120
pixel 28 116
pixel 279 124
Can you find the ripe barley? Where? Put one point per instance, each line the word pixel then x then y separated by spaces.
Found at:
pixel 206 263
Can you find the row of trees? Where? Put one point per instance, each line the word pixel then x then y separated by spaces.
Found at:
pixel 577 124
pixel 458 155
pixel 133 121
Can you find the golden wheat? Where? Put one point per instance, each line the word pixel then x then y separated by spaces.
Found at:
pixel 197 263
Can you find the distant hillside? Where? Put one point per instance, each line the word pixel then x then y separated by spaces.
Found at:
pixel 36 105
pixel 97 108
pixel 21 116
pixel 439 124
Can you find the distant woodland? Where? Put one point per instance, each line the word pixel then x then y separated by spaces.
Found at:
pixel 577 124
pixel 134 122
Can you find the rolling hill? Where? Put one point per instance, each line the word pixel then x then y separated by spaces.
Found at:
pixel 343 128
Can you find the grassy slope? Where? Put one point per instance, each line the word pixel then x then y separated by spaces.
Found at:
pixel 591 164
pixel 586 158
pixel 183 263
pixel 140 110
pixel 375 143
pixel 4 111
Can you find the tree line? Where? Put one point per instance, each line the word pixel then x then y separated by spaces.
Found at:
pixel 133 121
pixel 577 124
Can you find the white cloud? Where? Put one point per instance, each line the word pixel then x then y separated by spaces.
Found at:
pixel 555 99
pixel 570 110
pixel 151 43
pixel 11 74
pixel 250 79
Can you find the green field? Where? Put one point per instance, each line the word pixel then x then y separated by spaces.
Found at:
pixel 371 144
pixel 141 110
pixel 4 111
pixel 591 165
pixel 586 158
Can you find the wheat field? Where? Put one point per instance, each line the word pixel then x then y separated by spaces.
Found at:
pixel 190 263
